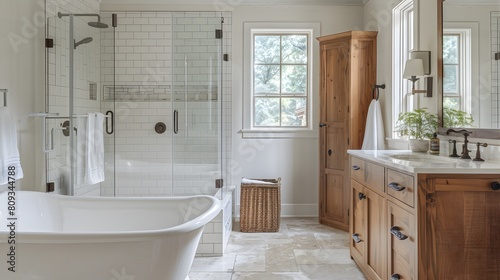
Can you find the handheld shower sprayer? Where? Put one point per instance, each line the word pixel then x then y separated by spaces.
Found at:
pixel 83 41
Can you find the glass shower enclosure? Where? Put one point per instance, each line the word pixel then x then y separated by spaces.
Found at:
pixel 156 78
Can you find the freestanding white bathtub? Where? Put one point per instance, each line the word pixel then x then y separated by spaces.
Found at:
pixel 80 238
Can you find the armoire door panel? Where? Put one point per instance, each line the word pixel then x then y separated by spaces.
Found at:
pixel 337 83
pixel 336 146
pixel 334 197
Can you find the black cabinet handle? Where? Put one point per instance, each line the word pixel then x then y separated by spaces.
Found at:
pixel 495 186
pixel 355 167
pixel 356 238
pixel 176 121
pixel 395 276
pixel 396 187
pixel 398 234
pixel 361 196
pixel 322 124
pixel 110 115
pixel 329 152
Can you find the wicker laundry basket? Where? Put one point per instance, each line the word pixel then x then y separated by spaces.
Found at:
pixel 260 206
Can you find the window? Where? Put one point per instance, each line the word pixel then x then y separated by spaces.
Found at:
pixel 403 30
pixel 457 69
pixel 278 79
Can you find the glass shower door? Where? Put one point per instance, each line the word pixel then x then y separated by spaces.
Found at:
pixel 73 91
pixel 197 101
pixel 56 144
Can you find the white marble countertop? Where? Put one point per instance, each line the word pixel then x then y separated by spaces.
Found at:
pixel 409 161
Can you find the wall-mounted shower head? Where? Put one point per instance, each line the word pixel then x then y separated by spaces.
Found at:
pixel 97 24
pixel 84 41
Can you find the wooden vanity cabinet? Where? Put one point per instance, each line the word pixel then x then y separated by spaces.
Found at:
pixel 348 73
pixel 459 227
pixel 424 226
pixel 368 220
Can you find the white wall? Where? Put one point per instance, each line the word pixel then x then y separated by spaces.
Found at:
pixel 21 72
pixel 296 161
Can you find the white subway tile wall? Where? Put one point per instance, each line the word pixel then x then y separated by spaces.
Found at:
pixel 164 62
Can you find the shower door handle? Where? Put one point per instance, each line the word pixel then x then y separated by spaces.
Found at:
pixel 111 116
pixel 176 121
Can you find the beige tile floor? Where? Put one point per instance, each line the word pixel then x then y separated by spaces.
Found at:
pixel 302 250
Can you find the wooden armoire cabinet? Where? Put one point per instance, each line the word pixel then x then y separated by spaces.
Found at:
pixel 348 74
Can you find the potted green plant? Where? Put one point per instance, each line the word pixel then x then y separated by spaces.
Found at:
pixel 417 126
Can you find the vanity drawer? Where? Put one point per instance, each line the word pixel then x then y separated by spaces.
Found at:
pixel 367 173
pixel 400 186
pixel 401 242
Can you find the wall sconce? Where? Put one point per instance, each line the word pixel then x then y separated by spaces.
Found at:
pixel 419 66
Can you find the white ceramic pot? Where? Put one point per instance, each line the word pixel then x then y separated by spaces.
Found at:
pixel 419 145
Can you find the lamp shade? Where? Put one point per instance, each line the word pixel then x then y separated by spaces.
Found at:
pixel 413 67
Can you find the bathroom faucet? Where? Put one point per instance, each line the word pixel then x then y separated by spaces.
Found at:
pixel 465 133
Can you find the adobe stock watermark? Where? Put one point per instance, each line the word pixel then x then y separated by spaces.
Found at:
pixel 30 27
pixel 122 275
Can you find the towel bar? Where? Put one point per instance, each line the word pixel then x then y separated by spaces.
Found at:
pixel 4 90
pixel 74 116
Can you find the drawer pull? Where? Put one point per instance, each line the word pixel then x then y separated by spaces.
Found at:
pixel 356 238
pixel 398 234
pixel 395 276
pixel 396 187
pixel 361 196
pixel 355 167
pixel 495 186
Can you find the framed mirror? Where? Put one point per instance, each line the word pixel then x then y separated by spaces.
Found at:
pixel 469 66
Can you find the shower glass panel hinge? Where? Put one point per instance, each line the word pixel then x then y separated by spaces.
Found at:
pixel 50 187
pixel 218 33
pixel 49 43
pixel 219 183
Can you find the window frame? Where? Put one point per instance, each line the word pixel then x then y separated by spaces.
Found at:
pixel 249 129
pixel 404 41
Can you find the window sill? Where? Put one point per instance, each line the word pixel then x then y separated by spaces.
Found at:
pixel 277 134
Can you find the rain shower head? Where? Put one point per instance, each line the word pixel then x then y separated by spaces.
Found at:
pixel 84 41
pixel 97 24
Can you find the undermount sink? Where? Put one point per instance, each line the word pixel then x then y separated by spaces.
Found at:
pixel 422 158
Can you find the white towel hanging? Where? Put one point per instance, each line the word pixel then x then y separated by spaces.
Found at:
pixel 95 148
pixel 9 153
pixel 374 131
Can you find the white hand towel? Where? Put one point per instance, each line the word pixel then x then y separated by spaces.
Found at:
pixel 9 153
pixel 374 131
pixel 95 148
pixel 254 181
pixel 81 151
